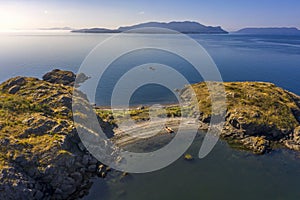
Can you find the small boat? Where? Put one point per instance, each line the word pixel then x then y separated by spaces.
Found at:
pixel 169 130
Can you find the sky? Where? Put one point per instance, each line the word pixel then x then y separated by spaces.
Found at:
pixel 230 14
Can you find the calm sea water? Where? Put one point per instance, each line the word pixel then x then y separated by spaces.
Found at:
pixel 225 173
pixel 238 57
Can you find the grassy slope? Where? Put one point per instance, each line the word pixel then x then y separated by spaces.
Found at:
pixel 254 102
pixel 35 100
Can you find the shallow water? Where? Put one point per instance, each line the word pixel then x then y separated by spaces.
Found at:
pixel 225 173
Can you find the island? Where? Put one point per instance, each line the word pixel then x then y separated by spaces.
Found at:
pixel 42 156
pixel 186 27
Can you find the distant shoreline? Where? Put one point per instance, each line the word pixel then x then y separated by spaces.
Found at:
pixel 185 27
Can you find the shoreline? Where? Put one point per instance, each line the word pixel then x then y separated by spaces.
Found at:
pixel 122 107
pixel 151 130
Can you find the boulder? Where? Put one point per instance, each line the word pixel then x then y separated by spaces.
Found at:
pixel 60 77
pixel 257 144
pixel 68 189
pixel 66 101
pixel 14 89
pixel 77 177
pixel 81 78
pixel 18 81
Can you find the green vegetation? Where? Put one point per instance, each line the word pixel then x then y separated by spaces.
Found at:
pixel 32 105
pixel 254 103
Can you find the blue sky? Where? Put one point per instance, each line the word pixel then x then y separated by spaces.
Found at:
pixel 230 14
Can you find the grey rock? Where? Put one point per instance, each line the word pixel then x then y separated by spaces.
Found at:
pixel 77 177
pixel 69 181
pixel 60 77
pixel 68 189
pixel 93 161
pixel 49 170
pixel 38 195
pixel 18 81
pixel 85 159
pixel 92 168
pixel 21 160
pixel 57 129
pixel 14 89
pixel 32 172
pixel 81 78
pixel 66 101
pixel 81 146
pixel 58 191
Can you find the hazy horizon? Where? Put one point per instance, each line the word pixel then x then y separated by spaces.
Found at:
pixel 68 28
pixel 230 15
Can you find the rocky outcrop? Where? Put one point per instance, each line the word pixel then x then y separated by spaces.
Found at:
pixel 64 77
pixel 258 115
pixel 294 141
pixel 60 77
pixel 41 155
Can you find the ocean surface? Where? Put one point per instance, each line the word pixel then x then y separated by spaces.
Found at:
pixel 225 173
pixel 238 57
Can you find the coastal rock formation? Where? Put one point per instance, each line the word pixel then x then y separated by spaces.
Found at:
pixel 64 77
pixel 41 156
pixel 258 115
pixel 60 77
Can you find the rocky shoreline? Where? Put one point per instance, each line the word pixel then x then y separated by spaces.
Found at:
pixel 42 156
pixel 259 116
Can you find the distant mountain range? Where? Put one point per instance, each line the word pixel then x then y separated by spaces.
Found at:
pixel 187 27
pixel 269 31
